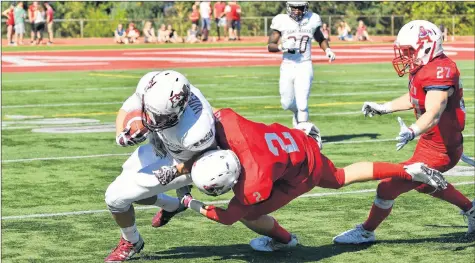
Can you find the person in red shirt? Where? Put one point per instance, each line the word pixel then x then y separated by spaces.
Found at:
pixel 132 34
pixel 49 22
pixel 219 16
pixel 436 96
pixel 10 23
pixel 236 19
pixel 194 15
pixel 267 166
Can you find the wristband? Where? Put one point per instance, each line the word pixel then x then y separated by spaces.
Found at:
pixel 416 130
pixel 196 205
pixel 327 50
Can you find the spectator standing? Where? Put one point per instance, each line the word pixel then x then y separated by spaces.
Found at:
pixel 325 31
pixel 344 32
pixel 10 23
pixel 220 17
pixel 119 35
pixel 236 16
pixel 19 16
pixel 205 13
pixel 49 22
pixel 31 18
pixel 443 29
pixel 132 34
pixel 361 32
pixel 39 24
pixel 229 21
pixel 194 15
pixel 149 33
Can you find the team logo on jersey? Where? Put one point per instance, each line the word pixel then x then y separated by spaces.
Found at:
pixel 179 99
pixel 424 34
pixel 207 137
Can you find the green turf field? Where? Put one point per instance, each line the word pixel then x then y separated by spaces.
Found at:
pixel 420 229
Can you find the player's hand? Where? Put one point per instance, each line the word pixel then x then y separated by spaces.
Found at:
pixel 372 108
pixel 125 139
pixel 406 134
pixel 289 45
pixel 329 53
pixel 166 174
pixel 311 130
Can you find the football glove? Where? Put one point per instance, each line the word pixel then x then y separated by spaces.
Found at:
pixel 372 108
pixel 329 53
pixel 288 46
pixel 406 134
pixel 125 139
pixel 166 174
pixel 311 130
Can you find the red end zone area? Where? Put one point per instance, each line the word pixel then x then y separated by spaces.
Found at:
pixel 41 61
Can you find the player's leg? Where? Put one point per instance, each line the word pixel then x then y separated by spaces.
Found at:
pixel 302 86
pixel 286 89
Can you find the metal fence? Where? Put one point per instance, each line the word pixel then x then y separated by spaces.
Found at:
pixel 255 26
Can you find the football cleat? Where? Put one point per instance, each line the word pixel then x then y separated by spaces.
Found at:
pixel 470 217
pixel 421 173
pixel 124 251
pixel 267 244
pixel 163 217
pixel 357 235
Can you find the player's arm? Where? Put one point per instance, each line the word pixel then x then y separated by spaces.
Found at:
pixel 400 104
pixel 436 102
pixel 324 45
pixel 273 43
pixel 229 216
pixel 123 138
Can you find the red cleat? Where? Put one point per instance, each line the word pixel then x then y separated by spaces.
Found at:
pixel 163 217
pixel 124 251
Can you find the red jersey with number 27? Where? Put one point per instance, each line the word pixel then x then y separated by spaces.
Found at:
pixel 440 74
pixel 268 153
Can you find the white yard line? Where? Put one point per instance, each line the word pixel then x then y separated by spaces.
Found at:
pixel 86 212
pixel 125 154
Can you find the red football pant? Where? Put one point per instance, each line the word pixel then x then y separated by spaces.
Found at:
pixel 391 188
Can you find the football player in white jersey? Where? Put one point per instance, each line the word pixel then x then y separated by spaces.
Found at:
pixel 295 30
pixel 181 126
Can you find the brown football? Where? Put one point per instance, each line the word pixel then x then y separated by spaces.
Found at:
pixel 134 120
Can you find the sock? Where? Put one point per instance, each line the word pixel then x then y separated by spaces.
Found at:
pixel 302 116
pixel 383 170
pixel 167 202
pixel 131 234
pixel 279 234
pixel 376 217
pixel 453 196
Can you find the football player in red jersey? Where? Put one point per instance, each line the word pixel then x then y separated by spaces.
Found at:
pixel 435 93
pixel 267 166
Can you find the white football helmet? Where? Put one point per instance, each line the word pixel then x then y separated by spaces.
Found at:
pixel 216 172
pixel 164 100
pixel 417 43
pixel 303 6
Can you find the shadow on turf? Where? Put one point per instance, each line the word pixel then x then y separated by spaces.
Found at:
pixel 245 253
pixel 451 238
pixel 339 138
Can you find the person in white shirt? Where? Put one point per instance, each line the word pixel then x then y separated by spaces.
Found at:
pixel 39 24
pixel 295 30
pixel 205 13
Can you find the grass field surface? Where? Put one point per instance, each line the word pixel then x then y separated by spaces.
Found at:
pixel 70 179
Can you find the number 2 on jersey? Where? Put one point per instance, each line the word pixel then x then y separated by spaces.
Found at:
pixel 288 148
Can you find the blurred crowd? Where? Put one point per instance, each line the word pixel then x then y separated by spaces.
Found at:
pixel 38 17
pixel 225 16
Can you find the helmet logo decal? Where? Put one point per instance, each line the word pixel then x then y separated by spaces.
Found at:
pixel 179 99
pixel 424 35
pixel 151 82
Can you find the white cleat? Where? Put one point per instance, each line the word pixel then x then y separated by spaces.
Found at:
pixel 357 235
pixel 267 244
pixel 421 173
pixel 470 215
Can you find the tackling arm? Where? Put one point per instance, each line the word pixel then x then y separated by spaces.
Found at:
pixel 234 213
pixel 273 43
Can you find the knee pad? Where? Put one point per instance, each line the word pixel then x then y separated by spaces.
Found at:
pixel 114 201
pixel 383 204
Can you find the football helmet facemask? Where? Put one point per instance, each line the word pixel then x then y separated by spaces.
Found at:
pixel 294 13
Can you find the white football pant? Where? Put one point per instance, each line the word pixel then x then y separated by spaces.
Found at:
pixel 137 182
pixel 294 87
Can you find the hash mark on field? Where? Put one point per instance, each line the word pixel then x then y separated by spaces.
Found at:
pixel 19 217
pixel 125 154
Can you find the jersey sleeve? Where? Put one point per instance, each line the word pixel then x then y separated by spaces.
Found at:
pixel 277 23
pixel 134 102
pixel 440 78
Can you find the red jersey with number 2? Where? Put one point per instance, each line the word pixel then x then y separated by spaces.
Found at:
pixel 268 153
pixel 440 74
